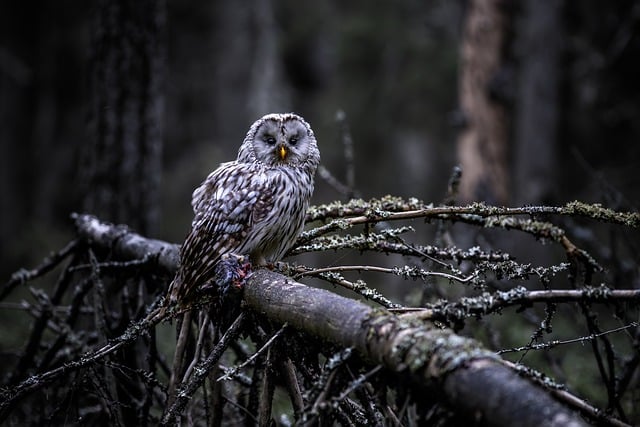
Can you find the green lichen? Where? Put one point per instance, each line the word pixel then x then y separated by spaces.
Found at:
pixel 598 212
pixel 422 348
pixel 456 312
pixel 361 207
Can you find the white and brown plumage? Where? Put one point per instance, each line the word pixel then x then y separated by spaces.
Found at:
pixel 253 206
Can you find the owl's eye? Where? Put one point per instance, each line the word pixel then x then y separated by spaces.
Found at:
pixel 270 140
pixel 293 140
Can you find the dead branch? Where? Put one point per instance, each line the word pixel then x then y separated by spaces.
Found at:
pixel 471 378
pixel 413 351
pixel 127 244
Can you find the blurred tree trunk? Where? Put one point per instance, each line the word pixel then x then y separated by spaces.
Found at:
pixel 482 144
pixel 122 162
pixel 16 170
pixel 268 92
pixel 122 167
pixel 536 124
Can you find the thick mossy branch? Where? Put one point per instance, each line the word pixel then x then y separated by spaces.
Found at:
pixel 459 368
pixel 473 380
pixel 426 355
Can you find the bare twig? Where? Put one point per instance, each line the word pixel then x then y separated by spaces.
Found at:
pixel 405 271
pixel 201 371
pixel 229 374
pixel 48 264
pixel 556 343
pixel 489 303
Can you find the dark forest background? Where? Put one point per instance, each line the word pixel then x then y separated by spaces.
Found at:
pixel 102 101
pixel 568 79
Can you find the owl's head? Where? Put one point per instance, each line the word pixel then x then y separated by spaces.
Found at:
pixel 280 139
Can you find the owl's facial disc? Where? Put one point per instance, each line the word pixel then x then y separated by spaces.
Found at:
pixel 279 140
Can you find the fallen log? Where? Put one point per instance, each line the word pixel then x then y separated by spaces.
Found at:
pixel 472 380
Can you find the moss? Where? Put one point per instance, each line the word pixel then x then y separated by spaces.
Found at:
pixel 598 212
pixel 421 348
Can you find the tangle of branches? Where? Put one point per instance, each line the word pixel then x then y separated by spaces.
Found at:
pixel 98 349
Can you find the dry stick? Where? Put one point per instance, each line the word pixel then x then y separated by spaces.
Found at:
pixel 201 371
pixel 555 343
pixel 288 370
pixel 31 348
pixel 358 382
pixel 178 357
pixel 360 288
pixel 203 329
pixel 10 397
pixel 414 208
pixel 579 404
pixel 492 302
pixel 607 374
pixel 488 216
pixel 359 268
pixel 266 388
pixel 362 244
pixel 49 263
pixel 232 372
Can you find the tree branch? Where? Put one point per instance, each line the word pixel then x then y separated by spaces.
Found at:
pixel 470 378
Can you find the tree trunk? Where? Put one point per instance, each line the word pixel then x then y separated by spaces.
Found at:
pixel 536 124
pixel 122 161
pixel 471 379
pixel 482 145
pixel 268 91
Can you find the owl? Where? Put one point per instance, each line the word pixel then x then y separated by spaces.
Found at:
pixel 253 206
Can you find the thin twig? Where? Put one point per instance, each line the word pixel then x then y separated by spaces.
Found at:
pixel 570 399
pixel 396 271
pixel 201 371
pixel 48 264
pixel 203 328
pixel 519 296
pixel 232 372
pixel 334 182
pixel 556 343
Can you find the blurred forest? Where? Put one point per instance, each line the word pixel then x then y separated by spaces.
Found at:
pixel 177 84
pixel 568 81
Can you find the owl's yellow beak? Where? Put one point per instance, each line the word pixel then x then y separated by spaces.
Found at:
pixel 282 152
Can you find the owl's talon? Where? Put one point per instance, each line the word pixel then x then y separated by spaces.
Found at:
pixel 242 272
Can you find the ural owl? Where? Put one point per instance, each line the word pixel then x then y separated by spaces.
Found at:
pixel 253 206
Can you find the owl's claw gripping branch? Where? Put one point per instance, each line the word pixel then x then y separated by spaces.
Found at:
pixel 229 274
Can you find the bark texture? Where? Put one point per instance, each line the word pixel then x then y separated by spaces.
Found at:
pixel 472 379
pixel 482 144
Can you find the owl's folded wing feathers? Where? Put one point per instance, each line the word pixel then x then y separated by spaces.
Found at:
pixel 226 205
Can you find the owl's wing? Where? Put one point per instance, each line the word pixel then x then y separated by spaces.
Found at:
pixel 226 205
